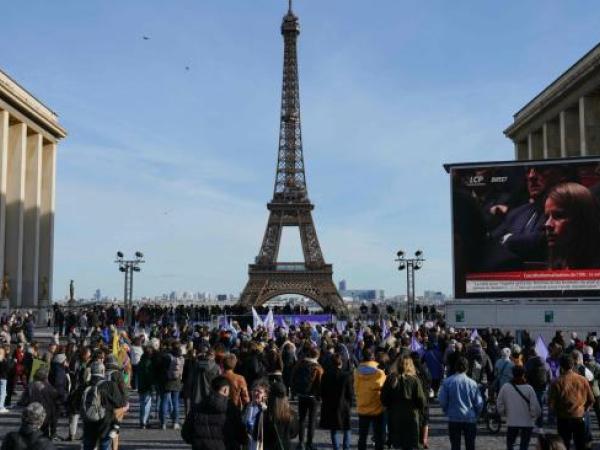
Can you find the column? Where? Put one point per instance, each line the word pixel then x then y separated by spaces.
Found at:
pixel 31 224
pixel 47 220
pixel 3 172
pixel 522 150
pixel 589 124
pixel 570 132
pixel 536 145
pixel 15 196
pixel 551 138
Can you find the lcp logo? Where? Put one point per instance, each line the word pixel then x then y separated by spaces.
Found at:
pixel 476 180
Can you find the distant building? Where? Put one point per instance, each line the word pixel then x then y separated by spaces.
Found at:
pixel 98 295
pixel 342 285
pixel 367 295
pixel 434 297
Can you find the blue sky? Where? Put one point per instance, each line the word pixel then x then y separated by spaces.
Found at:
pixel 180 164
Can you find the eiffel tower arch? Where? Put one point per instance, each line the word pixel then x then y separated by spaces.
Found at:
pixel 290 206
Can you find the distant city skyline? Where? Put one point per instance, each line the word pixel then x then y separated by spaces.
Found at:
pixel 172 140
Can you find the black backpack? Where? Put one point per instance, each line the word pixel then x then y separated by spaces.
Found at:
pixel 303 378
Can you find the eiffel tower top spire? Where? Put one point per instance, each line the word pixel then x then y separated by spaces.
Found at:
pixel 290 180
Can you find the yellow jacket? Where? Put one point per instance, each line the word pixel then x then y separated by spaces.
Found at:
pixel 368 381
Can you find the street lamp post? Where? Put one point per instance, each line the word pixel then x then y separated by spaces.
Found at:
pixel 128 267
pixel 410 264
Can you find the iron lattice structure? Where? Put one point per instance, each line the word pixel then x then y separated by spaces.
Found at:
pixel 291 206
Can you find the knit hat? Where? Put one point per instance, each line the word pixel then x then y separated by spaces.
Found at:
pixel 34 414
pixel 112 363
pixel 97 369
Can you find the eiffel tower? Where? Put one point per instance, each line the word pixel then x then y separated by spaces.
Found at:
pixel 291 206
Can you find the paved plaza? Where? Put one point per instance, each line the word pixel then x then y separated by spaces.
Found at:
pixel 132 437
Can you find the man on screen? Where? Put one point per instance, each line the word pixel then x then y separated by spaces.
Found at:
pixel 520 241
pixel 572 227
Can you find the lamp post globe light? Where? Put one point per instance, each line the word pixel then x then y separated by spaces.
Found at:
pixel 410 264
pixel 128 267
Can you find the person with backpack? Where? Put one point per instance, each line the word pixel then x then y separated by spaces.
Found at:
pixel 99 401
pixel 171 389
pixel 306 385
pixel 537 375
pixel 29 436
pixel 502 370
pixel 202 372
pixel 518 401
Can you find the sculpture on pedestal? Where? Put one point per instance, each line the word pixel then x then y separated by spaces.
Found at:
pixel 5 294
pixel 72 292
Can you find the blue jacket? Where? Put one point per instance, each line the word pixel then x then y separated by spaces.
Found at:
pixel 460 399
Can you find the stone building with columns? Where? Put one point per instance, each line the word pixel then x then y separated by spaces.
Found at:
pixel 29 134
pixel 564 119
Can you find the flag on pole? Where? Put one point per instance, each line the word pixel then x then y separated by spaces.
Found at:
pixel 474 334
pixel 256 320
pixel 270 323
pixel 416 346
pixel 541 349
pixel 385 332
pixel 249 330
pixel 223 324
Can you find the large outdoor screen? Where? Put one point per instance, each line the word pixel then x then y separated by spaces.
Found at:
pixel 526 229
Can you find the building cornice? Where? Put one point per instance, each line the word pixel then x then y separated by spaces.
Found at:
pixel 574 75
pixel 28 105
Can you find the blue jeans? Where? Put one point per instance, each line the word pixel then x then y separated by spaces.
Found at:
pixel 169 400
pixel 89 443
pixel 346 439
pixel 457 429
pixel 3 384
pixel 145 407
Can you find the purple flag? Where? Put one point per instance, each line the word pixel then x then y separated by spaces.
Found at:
pixel 474 334
pixel 540 348
pixel 416 346
pixel 385 332
pixel 223 323
pixel 340 326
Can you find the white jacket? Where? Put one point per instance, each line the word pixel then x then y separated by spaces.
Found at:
pixel 515 408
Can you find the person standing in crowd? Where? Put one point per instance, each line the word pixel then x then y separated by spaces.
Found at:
pixel 215 423
pixel 569 397
pixel 280 423
pixel 425 378
pixel 136 355
pixel 99 401
pixel 404 399
pixel 462 402
pixel 368 382
pixel 537 375
pixel 434 360
pixel 238 391
pixel 519 402
pixel 43 392
pixel 59 378
pixel 306 385
pixel 80 378
pixel 171 389
pixel 253 415
pixel 203 371
pixel 336 402
pixel 146 384
pixel 502 370
pixel 29 435
pixel 4 368
pixel 594 367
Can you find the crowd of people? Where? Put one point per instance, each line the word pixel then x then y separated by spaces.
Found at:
pixel 232 387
